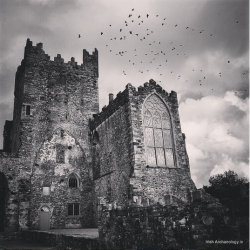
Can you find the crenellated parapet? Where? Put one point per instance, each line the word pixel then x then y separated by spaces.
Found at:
pixel 91 60
pixel 37 53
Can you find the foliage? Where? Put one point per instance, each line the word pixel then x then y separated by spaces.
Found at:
pixel 232 191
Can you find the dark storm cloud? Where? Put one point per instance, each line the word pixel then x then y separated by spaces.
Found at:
pixel 29 17
pixel 228 20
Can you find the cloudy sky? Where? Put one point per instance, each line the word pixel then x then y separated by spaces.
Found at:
pixel 197 48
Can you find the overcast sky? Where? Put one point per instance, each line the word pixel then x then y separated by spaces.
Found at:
pixel 197 48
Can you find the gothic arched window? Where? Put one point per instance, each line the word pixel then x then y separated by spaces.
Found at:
pixel 73 181
pixel 157 133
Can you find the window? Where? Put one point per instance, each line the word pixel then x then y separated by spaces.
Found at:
pixel 26 111
pixel 73 209
pixel 157 133
pixel 73 181
pixel 46 190
pixel 60 154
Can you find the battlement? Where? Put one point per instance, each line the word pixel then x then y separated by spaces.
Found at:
pixel 153 85
pixel 90 57
pixel 90 60
pixel 115 104
pixel 123 97
pixel 35 49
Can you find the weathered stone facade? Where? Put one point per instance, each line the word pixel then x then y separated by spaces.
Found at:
pixel 63 159
pixel 53 104
pixel 123 174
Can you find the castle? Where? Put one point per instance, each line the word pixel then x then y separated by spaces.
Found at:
pixel 62 158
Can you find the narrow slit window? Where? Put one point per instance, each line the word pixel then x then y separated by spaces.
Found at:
pixel 27 110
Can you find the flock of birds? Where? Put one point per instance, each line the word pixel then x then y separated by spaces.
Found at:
pixel 153 54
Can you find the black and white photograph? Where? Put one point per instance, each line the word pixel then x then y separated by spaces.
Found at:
pixel 124 124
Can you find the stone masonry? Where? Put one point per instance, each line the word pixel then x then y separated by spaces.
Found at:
pixel 53 103
pixel 63 159
pixel 122 175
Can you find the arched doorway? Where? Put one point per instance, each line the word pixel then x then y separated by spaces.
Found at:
pixel 3 200
pixel 44 218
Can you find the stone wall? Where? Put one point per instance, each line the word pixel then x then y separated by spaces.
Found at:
pixel 52 172
pixel 16 193
pixel 201 224
pixel 111 147
pixel 7 136
pixel 156 183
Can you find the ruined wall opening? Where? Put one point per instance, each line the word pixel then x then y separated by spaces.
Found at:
pixel 60 153
pixel 3 200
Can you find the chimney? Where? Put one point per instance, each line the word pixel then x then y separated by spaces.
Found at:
pixel 111 96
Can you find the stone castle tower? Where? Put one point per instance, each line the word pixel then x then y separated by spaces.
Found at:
pixel 62 158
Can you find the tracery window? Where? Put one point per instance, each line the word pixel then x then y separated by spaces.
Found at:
pixel 157 133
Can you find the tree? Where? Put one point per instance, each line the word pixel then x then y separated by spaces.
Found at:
pixel 232 191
